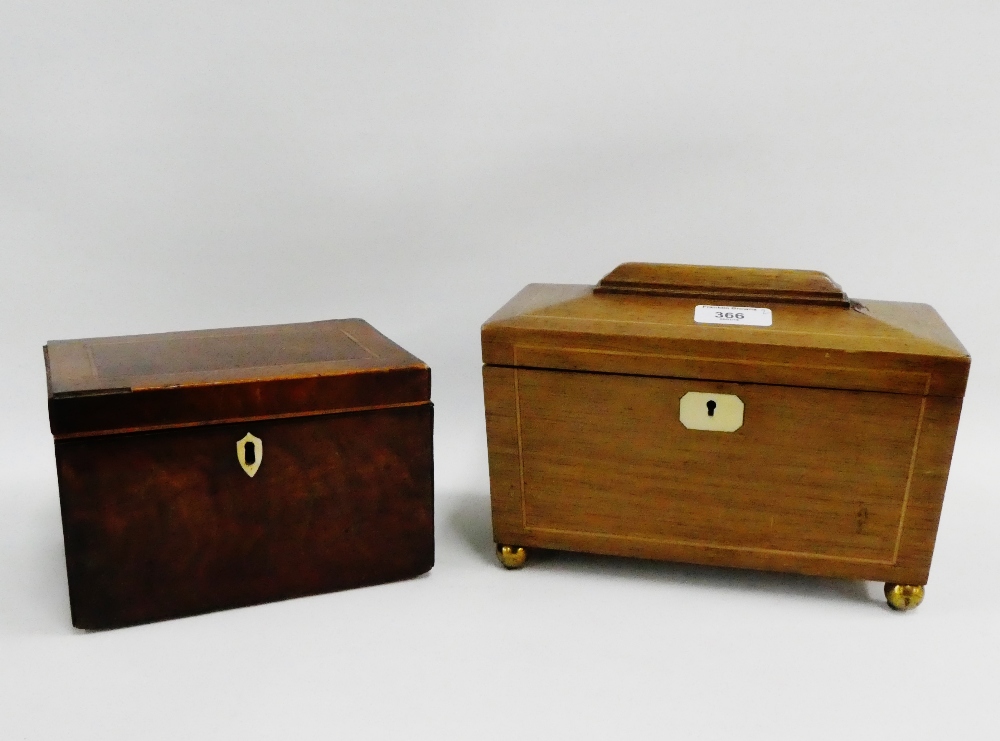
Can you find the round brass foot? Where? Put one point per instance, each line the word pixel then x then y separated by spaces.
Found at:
pixel 511 556
pixel 903 596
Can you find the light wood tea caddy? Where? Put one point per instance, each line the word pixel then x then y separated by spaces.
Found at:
pixel 839 465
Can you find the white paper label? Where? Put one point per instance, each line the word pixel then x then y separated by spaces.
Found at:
pixel 751 316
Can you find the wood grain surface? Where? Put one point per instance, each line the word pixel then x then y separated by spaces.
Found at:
pixel 148 382
pixel 864 347
pixel 839 468
pixel 165 524
pixel 724 284
pixel 160 517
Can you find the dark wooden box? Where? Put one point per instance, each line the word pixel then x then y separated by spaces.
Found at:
pixel 835 460
pixel 205 470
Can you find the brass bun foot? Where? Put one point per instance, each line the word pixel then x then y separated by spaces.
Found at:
pixel 511 556
pixel 903 596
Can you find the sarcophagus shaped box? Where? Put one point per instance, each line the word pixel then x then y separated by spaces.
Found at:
pixel 213 469
pixel 737 417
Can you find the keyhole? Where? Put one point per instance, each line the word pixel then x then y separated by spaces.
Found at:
pixel 250 453
pixel 711 407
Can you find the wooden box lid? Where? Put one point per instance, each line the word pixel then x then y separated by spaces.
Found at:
pixel 143 382
pixel 639 320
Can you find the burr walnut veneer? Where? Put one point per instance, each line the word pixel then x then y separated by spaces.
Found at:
pixel 845 414
pixel 214 469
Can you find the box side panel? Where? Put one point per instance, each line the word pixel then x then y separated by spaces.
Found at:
pixel 814 481
pixel 169 523
pixel 931 464
pixel 504 454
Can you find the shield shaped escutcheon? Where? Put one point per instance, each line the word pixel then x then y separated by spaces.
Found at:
pixel 256 446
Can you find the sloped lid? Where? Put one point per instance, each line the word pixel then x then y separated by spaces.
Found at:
pixel 645 325
pixel 184 378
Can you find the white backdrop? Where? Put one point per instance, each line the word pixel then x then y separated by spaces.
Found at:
pixel 168 166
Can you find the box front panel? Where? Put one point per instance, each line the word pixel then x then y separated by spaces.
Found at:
pixel 811 473
pixel 172 523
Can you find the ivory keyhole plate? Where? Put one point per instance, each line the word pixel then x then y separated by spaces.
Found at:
pixel 258 453
pixel 712 412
